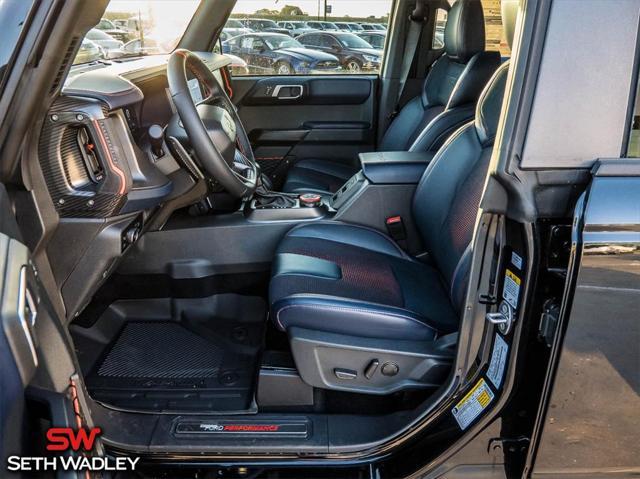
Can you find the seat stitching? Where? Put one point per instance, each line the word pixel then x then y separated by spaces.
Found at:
pixel 345 308
pixel 388 240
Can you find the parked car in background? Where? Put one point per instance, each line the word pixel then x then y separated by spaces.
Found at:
pixel 268 53
pixel 146 46
pixel 354 53
pixel 263 25
pixel 296 27
pixel 234 28
pixel 121 23
pixel 112 47
pixel 374 38
pixel 89 52
pixel 325 26
pixel 342 26
pixel 113 30
pixel 353 27
pixel 368 27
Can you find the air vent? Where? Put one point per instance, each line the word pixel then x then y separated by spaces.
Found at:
pixel 88 150
pixel 68 57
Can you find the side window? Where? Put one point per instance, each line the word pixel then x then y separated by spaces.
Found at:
pixel 328 42
pixel 278 23
pixel 438 34
pixel 493 27
pixel 633 148
pixel 13 14
pixel 246 43
pixel 310 40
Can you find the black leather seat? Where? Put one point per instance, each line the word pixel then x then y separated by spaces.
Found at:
pixel 346 281
pixel 448 100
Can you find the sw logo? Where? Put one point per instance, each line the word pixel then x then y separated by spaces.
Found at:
pixel 65 438
pixel 74 444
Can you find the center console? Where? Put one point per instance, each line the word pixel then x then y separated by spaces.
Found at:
pixel 269 206
pixel 383 168
pixel 378 168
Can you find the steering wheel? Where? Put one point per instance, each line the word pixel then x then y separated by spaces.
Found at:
pixel 213 127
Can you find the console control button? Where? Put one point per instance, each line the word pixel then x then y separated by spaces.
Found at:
pixel 310 200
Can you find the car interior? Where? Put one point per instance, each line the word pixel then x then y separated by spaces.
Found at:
pixel 267 250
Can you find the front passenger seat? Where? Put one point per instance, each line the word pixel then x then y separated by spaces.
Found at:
pixel 448 99
pixel 354 303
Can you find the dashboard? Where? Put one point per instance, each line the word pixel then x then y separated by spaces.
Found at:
pixel 106 181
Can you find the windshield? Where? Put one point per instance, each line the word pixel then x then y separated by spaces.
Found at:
pixel 131 28
pixel 350 40
pixel 278 42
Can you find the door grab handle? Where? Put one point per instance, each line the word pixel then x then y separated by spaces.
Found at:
pixel 27 312
pixel 276 92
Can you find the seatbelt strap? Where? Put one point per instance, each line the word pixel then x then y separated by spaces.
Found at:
pixel 418 19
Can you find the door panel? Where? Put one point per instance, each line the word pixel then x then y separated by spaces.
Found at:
pixel 18 314
pixel 289 119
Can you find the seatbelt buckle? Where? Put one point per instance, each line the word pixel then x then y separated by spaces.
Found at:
pixel 395 227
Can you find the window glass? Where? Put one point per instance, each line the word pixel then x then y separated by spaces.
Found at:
pixel 13 14
pixel 306 52
pixel 493 27
pixel 132 28
pixel 633 148
pixel 438 35
pixel 350 40
pixel 327 41
pixel 277 42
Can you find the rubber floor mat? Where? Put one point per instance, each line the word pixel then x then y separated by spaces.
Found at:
pixel 180 366
pixel 161 350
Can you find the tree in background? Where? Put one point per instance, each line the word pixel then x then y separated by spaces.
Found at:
pixel 291 10
pixel 266 11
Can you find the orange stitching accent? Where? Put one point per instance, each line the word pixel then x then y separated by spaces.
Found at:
pixel 227 82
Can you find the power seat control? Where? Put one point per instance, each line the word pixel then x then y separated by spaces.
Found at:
pixel 345 374
pixel 503 318
pixel 371 368
pixel 390 369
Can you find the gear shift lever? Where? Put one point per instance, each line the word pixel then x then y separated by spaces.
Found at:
pixel 156 138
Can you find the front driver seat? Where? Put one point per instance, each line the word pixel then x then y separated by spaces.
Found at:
pixel 448 100
pixel 361 314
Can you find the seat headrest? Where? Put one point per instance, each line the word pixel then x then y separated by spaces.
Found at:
pixel 464 32
pixel 509 11
pixel 490 105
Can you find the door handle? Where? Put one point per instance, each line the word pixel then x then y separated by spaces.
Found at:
pixel 27 312
pixel 287 92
